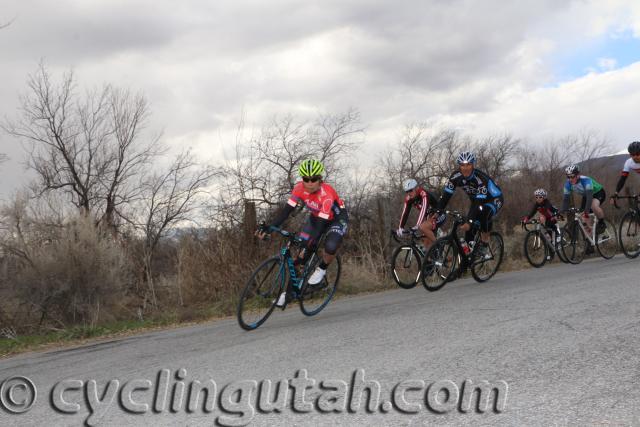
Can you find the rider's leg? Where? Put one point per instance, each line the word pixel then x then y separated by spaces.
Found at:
pixel 596 202
pixel 485 214
pixel 332 242
pixel 427 228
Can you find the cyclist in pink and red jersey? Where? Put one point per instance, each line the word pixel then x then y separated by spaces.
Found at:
pixel 423 201
pixel 328 216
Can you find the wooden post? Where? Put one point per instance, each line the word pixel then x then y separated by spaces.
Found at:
pixel 249 224
pixel 382 231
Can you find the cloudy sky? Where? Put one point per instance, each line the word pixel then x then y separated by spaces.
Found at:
pixel 535 69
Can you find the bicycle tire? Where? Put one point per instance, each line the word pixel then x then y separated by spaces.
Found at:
pixel 574 243
pixel 322 293
pixel 266 299
pixel 410 259
pixel 558 247
pixel 607 241
pixel 537 242
pixel 629 234
pixel 496 248
pixel 439 264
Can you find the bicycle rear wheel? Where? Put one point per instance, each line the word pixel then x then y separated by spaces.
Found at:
pixel 313 298
pixel 260 294
pixel 573 243
pixel 439 264
pixel 405 266
pixel 483 270
pixel 535 249
pixel 629 234
pixel 607 242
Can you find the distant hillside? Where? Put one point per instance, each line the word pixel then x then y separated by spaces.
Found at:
pixel 604 163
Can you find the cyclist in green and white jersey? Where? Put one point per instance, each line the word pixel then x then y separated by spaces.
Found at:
pixel 593 195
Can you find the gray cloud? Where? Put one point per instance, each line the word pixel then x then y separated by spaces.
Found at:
pixel 202 63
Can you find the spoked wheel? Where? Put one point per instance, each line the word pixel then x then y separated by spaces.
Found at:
pixel 607 242
pixel 535 248
pixel 260 294
pixel 313 298
pixel 439 264
pixel 629 234
pixel 483 269
pixel 573 243
pixel 405 266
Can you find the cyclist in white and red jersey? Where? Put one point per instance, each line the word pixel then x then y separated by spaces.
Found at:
pixel 328 215
pixel 631 165
pixel 422 200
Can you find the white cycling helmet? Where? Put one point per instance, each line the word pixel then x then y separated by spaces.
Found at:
pixel 540 192
pixel 572 170
pixel 409 184
pixel 466 157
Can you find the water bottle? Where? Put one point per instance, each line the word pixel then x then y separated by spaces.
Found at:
pixel 465 246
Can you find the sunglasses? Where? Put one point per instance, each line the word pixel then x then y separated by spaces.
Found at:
pixel 571 176
pixel 311 178
pixel 539 197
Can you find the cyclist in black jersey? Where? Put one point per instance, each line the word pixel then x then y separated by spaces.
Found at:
pixel 485 195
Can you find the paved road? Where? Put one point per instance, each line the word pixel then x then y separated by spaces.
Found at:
pixel 564 339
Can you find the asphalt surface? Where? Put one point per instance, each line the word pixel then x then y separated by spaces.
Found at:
pixel 565 340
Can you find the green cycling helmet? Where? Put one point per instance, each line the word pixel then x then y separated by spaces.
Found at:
pixel 311 167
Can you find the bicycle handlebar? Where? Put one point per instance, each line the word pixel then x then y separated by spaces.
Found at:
pixel 615 199
pixel 411 232
pixel 292 237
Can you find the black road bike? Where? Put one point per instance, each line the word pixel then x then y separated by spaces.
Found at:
pixel 542 244
pixel 629 227
pixel 447 257
pixel 277 275
pixel 406 259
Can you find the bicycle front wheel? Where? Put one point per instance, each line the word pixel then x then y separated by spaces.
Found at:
pixel 535 248
pixel 607 242
pixel 405 266
pixel 484 269
pixel 629 234
pixel 313 298
pixel 439 264
pixel 573 243
pixel 260 294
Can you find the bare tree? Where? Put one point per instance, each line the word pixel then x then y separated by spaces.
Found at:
pixel 263 169
pixel 66 138
pixel 423 153
pixel 495 153
pixel 88 147
pixel 126 156
pixel 169 198
pixel 585 145
pixel 6 24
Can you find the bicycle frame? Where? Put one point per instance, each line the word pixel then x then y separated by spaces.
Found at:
pixel 590 234
pixel 466 259
pixel 538 227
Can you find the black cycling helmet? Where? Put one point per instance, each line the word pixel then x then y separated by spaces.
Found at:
pixel 634 147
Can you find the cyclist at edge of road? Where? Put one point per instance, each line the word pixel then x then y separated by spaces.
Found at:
pixel 631 164
pixel 328 215
pixel 423 200
pixel 485 196
pixel 593 195
pixel 547 212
